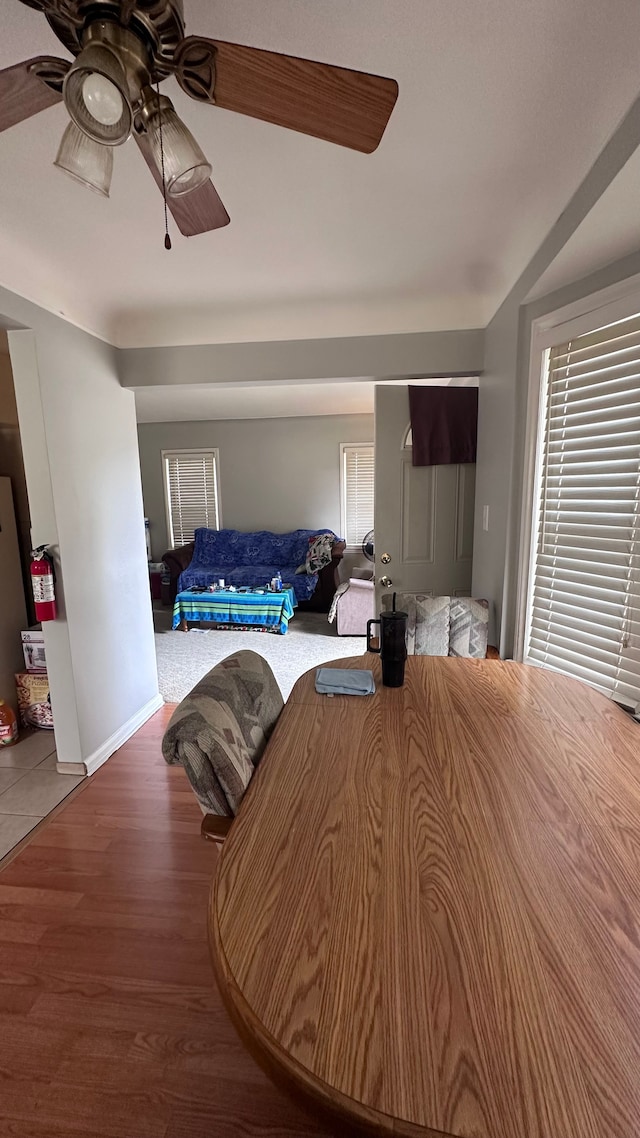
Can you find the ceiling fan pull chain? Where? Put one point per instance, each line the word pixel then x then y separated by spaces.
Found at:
pixel 167 239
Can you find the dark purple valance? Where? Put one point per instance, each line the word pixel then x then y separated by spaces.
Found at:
pixel 444 424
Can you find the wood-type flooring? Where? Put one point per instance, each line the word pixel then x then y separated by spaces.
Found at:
pixel 110 1022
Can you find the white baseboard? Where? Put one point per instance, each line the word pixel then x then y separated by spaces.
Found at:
pixel 100 756
pixel 71 768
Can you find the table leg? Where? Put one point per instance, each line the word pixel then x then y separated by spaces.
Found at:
pixel 215 827
pixel 183 626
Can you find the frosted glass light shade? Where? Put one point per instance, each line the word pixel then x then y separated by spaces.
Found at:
pixel 85 160
pixel 96 96
pixel 102 99
pixel 185 165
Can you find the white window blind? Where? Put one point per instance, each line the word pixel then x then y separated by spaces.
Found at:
pixel 357 476
pixel 191 492
pixel 584 597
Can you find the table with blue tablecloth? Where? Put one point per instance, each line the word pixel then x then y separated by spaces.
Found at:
pixel 269 611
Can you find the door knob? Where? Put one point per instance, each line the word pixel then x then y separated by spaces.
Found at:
pixel 386 558
pixel 386 582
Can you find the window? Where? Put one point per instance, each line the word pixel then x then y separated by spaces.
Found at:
pixel 191 492
pixel 356 491
pixel 583 610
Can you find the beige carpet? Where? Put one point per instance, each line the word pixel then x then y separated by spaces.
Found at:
pixel 184 657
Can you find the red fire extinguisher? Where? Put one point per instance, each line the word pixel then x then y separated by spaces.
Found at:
pixel 43 583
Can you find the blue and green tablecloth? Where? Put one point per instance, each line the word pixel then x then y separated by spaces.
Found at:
pixel 264 610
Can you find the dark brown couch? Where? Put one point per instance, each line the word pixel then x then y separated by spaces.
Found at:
pixel 179 559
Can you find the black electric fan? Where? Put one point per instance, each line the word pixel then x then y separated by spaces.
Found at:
pixel 368 546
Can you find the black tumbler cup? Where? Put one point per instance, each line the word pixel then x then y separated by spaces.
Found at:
pixel 393 646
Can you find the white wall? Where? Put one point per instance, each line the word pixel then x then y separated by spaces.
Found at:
pixel 277 474
pixel 79 442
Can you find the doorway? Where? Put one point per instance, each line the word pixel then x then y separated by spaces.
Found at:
pixel 424 515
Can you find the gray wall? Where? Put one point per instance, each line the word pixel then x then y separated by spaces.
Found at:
pixel 495 465
pixel 12 464
pixel 502 396
pixel 587 286
pixel 277 474
pixel 501 439
pixel 382 357
pixel 79 441
pixel 13 612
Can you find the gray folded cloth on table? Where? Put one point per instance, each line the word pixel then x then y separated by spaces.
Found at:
pixel 344 681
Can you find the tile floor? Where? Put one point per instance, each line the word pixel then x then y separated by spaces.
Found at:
pixel 30 786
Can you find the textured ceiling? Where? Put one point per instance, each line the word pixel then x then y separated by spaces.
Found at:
pixel 503 107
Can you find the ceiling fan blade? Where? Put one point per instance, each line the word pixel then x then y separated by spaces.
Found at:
pixel 24 91
pixel 194 213
pixel 351 108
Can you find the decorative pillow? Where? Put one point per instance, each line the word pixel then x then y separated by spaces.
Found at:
pixel 318 553
pixel 469 627
pixel 428 623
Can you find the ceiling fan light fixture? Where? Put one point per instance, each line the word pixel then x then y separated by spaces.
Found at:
pixel 85 161
pixel 185 166
pixel 96 95
pixel 102 99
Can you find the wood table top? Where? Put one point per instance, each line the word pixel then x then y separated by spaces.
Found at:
pixel 426 917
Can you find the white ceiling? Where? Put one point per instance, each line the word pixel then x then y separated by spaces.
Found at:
pixel 503 107
pixel 194 402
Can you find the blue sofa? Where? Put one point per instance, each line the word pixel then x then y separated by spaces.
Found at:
pixel 253 559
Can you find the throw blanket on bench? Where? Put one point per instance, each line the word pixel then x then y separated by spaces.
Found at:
pixel 219 731
pixel 343 588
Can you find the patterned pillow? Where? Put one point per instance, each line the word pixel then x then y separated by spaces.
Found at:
pixel 469 627
pixel 428 623
pixel 318 553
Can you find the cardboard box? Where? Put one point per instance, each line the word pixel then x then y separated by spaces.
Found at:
pixel 34 703
pixel 33 648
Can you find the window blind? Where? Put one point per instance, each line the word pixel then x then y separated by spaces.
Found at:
pixel 357 492
pixel 584 602
pixel 191 490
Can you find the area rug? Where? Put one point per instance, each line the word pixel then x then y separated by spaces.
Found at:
pixel 184 657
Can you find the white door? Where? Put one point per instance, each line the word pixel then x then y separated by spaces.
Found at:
pixel 423 514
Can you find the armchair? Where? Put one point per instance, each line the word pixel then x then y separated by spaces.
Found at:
pixel 355 606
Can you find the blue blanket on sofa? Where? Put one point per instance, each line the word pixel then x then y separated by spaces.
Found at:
pixel 250 559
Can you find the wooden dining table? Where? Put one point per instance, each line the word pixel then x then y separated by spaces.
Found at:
pixel 426 917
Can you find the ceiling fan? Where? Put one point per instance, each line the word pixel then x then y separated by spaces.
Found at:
pixel 124 48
